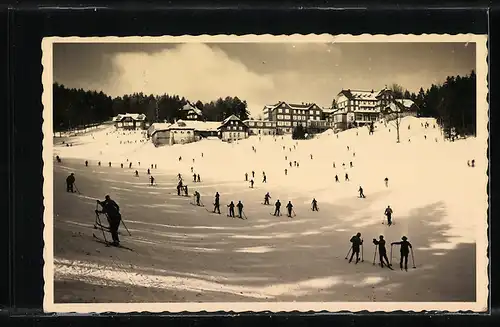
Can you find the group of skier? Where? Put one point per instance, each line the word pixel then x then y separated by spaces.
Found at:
pixel 405 248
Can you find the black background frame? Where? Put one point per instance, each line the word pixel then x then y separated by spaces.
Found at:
pixel 21 242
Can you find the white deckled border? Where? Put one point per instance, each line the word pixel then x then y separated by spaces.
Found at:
pixel 482 277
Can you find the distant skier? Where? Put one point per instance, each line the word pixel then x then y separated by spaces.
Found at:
pixel 246 177
pixel 139 163
pixel 295 163
pixel 277 207
pixel 58 159
pixel 337 179
pixel 388 213
pixel 350 163
pixel 180 158
pixel 202 154
pixel 112 210
pixel 253 174
pixel 179 187
pixel 99 164
pixel 217 203
pixel 473 163
pixel 382 251
pixel 231 209
pixel 361 194
pixel 191 169
pixel 425 137
pixel 314 205
pixel 290 164
pixel 86 163
pixel 240 209
pixel 197 197
pixel 386 181
pixel 286 171
pixel 354 154
pixel 311 156
pixel 136 173
pixel 356 244
pixel 70 180
pixel 151 166
pixel 179 176
pixel 186 192
pixel 298 164
pixel 149 172
pixel 130 165
pixel 346 176
pixel 194 178
pixel 198 178
pixel 289 208
pixel 251 183
pixel 404 250
pixel 193 160
pixel 334 165
pixel 343 165
pixel 121 165
pixel 266 198
pixel 110 163
pixel 264 179
pixel 347 148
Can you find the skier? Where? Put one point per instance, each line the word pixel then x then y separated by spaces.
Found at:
pixel 350 163
pixel 231 209
pixel 473 163
pixel 70 180
pixel 388 213
pixel 217 203
pixel 251 183
pixel 333 164
pixel 191 169
pixel 193 160
pixel 180 158
pixel 186 193
pixel 151 166
pixel 130 165
pixel 386 180
pixel 152 180
pixel 337 179
pixel 290 164
pixel 202 154
pixel 347 148
pixel 86 163
pixel 110 163
pixel 198 178
pixel 277 206
pixel 286 171
pixel 266 198
pixel 121 165
pixel 361 194
pixel 405 246
pixel 289 207
pixel 139 163
pixel 149 172
pixel 58 159
pixel 179 186
pixel 240 209
pixel 112 210
pixel 179 176
pixel 194 178
pixel 246 177
pixel 356 244
pixel 314 205
pixel 346 176
pixel 264 180
pixel 99 163
pixel 468 163
pixel 295 163
pixel 286 158
pixel 136 173
pixel 197 197
pixel 311 156
pixel 382 251
pixel 253 174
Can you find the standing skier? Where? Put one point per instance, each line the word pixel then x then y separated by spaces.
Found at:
pixel 277 206
pixel 198 178
pixel 70 180
pixel 86 163
pixel 231 209
pixel 289 207
pixel 217 203
pixel 194 178
pixel 253 174
pixel 266 198
pixel 197 197
pixel 337 179
pixel 109 163
pixel 314 205
pixel 264 178
pixel 149 172
pixel 388 213
pixel 240 209
pixel 346 176
pixel 251 183
pixel 286 171
pixel 130 165
pixel 405 250
pixel 356 244
pixel 152 180
pixel 246 177
pixel 382 251
pixel 112 210
pixel 179 186
pixel 136 173
pixel 361 194
pixel 386 181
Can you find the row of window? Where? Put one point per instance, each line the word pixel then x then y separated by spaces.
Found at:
pixel 303 118
pixel 299 112
pixel 260 124
pixel 235 128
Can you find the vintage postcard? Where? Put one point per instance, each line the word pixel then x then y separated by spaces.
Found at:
pixel 265 173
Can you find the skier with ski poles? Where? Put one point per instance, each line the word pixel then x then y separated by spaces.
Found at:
pixel 382 251
pixel 357 242
pixel 231 209
pixel 266 198
pixel 404 250
pixel 217 203
pixel 289 207
pixel 112 211
pixel 240 209
pixel 388 213
pixel 277 206
pixel 152 180
pixel 361 194
pixel 314 205
pixel 197 197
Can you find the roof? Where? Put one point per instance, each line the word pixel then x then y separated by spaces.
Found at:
pixel 400 105
pixel 407 103
pixel 230 118
pixel 301 106
pixel 120 117
pixel 188 106
pixel 360 94
pixel 155 127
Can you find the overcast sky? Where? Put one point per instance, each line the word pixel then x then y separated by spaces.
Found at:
pixel 256 72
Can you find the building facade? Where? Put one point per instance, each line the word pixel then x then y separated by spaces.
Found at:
pixel 289 115
pixel 130 121
pixel 182 132
pixel 233 129
pixel 260 127
pixel 190 112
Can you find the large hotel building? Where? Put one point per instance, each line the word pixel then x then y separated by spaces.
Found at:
pixel 289 115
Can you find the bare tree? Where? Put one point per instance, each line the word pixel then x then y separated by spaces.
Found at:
pixel 397 90
pixel 397 123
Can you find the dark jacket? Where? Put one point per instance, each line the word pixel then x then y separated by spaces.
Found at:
pixel 110 207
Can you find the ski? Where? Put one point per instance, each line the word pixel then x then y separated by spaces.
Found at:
pixel 108 244
pixel 106 228
pixel 272 214
pixel 212 211
pixel 194 204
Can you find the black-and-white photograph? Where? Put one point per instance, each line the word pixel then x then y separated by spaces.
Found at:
pixel 253 173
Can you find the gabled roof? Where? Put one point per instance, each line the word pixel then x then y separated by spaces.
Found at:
pixel 120 117
pixel 200 126
pixel 231 118
pixel 400 105
pixel 301 106
pixel 360 94
pixel 188 107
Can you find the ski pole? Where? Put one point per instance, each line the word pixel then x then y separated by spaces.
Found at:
pixel 413 258
pixel 348 252
pixel 374 254
pixel 98 218
pixel 391 255
pixel 243 212
pixel 123 222
pixel 362 258
pixel 77 189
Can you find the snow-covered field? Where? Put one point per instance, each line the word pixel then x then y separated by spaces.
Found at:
pixel 185 254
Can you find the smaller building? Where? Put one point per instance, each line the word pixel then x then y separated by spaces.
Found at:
pixel 190 112
pixel 399 107
pixel 233 129
pixel 260 127
pixel 130 121
pixel 182 132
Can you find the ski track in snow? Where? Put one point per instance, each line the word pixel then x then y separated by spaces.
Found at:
pixel 435 176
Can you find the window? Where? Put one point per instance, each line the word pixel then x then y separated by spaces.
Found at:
pixel 240 128
pixel 317 112
pixel 287 111
pixel 188 132
pixel 359 117
pixel 280 116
